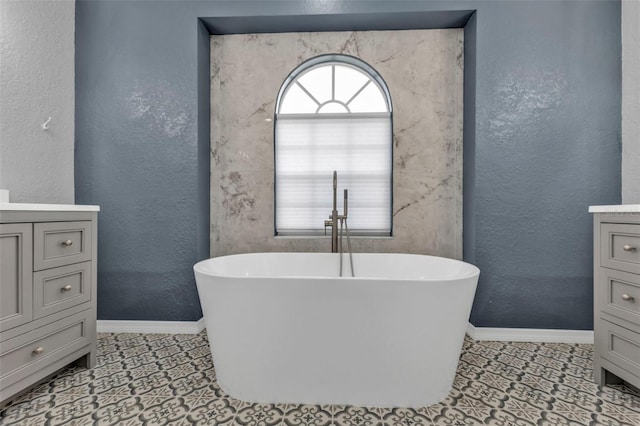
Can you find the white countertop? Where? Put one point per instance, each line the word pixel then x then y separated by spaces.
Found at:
pixel 47 207
pixel 619 208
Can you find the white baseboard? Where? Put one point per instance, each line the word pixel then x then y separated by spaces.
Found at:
pixel 476 333
pixel 151 327
pixel 529 335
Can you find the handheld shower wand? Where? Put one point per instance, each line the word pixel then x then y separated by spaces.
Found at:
pixel 346 228
pixel 346 202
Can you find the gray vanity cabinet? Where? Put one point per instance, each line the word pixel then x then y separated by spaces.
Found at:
pixel 47 295
pixel 617 298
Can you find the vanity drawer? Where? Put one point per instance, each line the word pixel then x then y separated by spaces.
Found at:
pixel 26 354
pixel 620 247
pixel 60 288
pixel 61 243
pixel 620 346
pixel 619 294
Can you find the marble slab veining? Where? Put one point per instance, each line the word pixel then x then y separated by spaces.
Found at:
pixel 424 72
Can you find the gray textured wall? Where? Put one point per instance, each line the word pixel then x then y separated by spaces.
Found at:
pixel 547 144
pixel 137 154
pixel 36 82
pixel 630 102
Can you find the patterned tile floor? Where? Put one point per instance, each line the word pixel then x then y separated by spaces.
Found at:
pixel 159 379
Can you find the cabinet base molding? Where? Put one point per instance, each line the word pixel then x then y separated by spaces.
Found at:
pixel 151 327
pixel 530 335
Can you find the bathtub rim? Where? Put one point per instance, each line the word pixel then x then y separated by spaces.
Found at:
pixel 472 270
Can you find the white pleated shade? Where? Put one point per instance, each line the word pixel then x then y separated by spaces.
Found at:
pixel 309 149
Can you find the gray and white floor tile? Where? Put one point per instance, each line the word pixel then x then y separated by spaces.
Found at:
pixel 156 379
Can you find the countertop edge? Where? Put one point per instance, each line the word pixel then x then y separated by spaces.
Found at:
pixel 48 207
pixel 621 208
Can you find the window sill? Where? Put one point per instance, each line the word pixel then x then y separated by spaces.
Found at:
pixel 328 237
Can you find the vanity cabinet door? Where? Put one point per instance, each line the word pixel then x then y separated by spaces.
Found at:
pixel 15 275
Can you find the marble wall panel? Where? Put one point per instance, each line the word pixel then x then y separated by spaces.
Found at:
pixel 424 72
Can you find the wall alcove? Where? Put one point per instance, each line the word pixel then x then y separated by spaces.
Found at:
pixel 340 23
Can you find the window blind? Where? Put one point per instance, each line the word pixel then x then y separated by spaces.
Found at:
pixel 310 148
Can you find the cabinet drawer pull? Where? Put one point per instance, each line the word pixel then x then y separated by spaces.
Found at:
pixel 628 247
pixel 628 298
pixel 39 350
pixel 69 242
pixel 66 288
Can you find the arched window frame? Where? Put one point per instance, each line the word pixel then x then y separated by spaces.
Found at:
pixel 373 77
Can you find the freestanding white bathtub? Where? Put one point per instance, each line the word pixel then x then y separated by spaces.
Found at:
pixel 283 327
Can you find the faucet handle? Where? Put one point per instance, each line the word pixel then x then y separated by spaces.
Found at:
pixel 327 223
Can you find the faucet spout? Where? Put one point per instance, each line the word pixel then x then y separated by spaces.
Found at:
pixel 335 217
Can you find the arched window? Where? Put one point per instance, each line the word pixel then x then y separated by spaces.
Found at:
pixel 333 112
